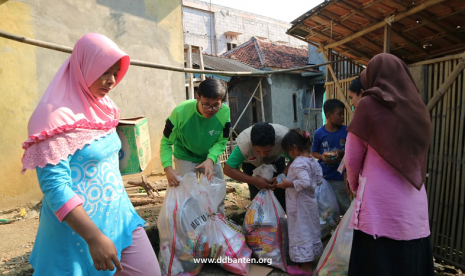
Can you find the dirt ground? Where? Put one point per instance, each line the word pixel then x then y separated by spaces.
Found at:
pixel 17 238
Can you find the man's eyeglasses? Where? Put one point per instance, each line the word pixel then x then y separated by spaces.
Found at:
pixel 213 107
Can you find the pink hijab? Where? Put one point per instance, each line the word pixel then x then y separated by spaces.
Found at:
pixel 68 107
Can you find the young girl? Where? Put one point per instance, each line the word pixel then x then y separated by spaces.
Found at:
pixel 304 176
pixel 87 225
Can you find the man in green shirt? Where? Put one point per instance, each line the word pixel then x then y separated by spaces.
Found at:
pixel 257 145
pixel 199 130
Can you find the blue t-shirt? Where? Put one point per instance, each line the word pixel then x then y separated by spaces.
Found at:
pixel 324 141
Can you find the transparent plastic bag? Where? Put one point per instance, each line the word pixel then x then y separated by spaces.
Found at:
pixel 225 238
pixel 266 171
pixel 266 226
pixel 328 209
pixel 336 256
pixel 228 245
pixel 181 226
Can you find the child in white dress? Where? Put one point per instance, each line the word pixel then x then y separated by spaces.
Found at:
pixel 303 223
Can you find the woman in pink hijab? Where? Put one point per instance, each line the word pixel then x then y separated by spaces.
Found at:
pixel 87 226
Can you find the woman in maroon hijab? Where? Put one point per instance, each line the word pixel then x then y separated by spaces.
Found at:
pixel 386 152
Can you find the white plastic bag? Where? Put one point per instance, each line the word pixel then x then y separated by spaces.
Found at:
pixel 266 171
pixel 228 245
pixel 328 209
pixel 266 225
pixel 336 256
pixel 181 226
pixel 226 240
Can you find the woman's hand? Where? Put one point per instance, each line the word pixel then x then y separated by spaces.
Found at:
pixel 172 177
pixel 207 165
pixel 103 253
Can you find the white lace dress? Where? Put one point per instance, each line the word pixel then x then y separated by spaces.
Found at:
pixel 302 210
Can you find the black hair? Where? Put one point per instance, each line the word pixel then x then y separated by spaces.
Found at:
pixel 301 139
pixel 356 86
pixel 262 134
pixel 331 105
pixel 212 88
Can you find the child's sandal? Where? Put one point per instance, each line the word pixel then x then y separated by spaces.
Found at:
pixel 294 270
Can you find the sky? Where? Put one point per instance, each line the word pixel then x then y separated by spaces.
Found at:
pixel 287 10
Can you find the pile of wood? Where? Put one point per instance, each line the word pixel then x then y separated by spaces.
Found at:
pixel 137 198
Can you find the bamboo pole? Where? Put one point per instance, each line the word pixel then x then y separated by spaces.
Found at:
pixel 69 50
pixel 261 101
pixel 341 93
pixel 431 61
pixel 435 176
pixel 381 24
pixel 441 179
pixel 448 142
pixel 462 159
pixel 247 105
pixel 431 170
pixel 387 39
pixel 447 83
pixel 456 165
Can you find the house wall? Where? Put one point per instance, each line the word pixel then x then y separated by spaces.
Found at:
pixel 282 88
pixel 205 25
pixel 149 30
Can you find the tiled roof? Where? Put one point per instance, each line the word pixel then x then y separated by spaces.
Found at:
pixel 261 54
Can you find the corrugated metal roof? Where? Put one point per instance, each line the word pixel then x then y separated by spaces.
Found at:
pixel 222 64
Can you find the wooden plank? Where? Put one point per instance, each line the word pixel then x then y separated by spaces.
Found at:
pixel 447 83
pixel 381 24
pixel 261 102
pixel 340 92
pixel 202 76
pixel 190 76
pixel 435 176
pixel 456 170
pixel 387 39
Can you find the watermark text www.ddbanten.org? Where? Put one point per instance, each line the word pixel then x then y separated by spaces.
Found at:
pixel 229 260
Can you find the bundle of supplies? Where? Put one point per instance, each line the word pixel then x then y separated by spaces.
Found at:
pixel 266 224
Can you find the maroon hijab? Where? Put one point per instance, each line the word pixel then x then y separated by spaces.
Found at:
pixel 392 118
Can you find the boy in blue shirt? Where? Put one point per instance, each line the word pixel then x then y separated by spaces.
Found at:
pixel 329 146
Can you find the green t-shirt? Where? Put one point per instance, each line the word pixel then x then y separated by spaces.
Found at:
pixel 194 137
